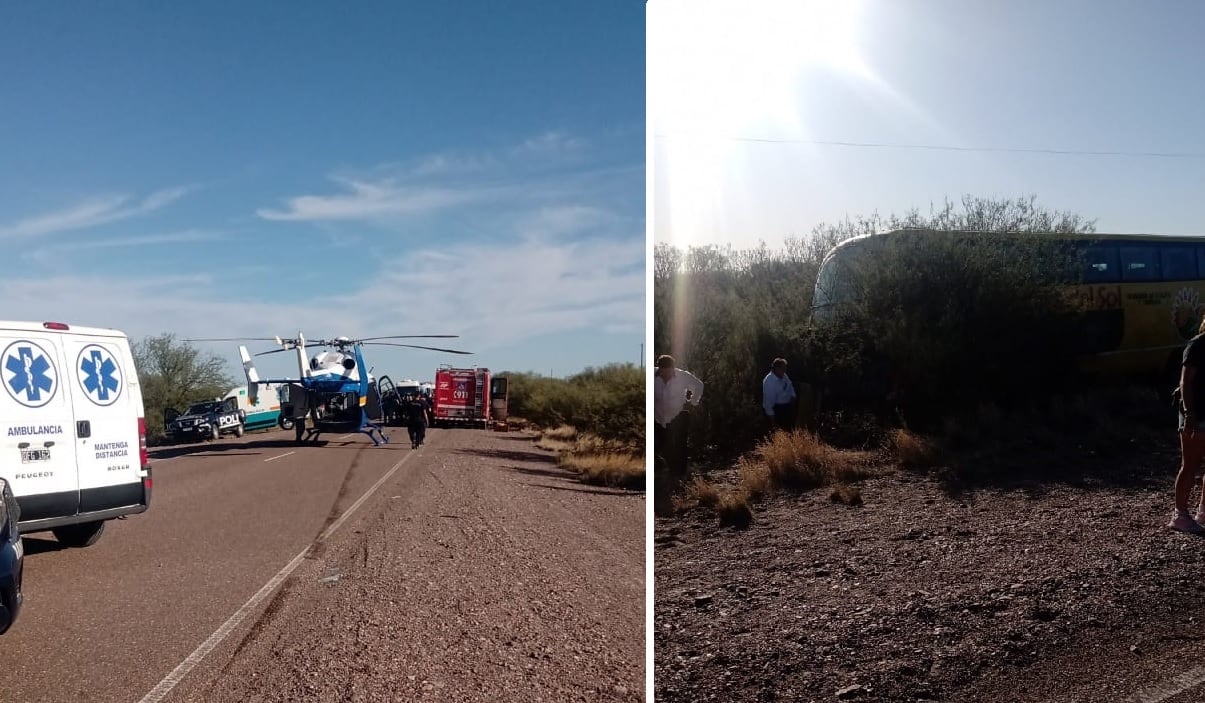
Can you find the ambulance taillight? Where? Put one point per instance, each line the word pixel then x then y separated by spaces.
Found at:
pixel 142 457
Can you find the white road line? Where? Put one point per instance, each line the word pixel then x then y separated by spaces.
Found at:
pixel 353 434
pixel 278 456
pixel 170 681
pixel 1173 687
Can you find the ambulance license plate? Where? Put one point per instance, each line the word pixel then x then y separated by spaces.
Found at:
pixel 31 455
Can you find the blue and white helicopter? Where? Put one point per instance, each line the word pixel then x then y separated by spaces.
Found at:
pixel 334 389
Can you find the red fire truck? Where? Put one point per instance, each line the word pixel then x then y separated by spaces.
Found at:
pixel 462 397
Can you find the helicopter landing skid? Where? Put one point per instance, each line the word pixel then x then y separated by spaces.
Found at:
pixel 368 428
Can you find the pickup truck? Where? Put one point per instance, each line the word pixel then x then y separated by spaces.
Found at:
pixel 205 420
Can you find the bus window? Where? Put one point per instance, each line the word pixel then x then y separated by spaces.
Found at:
pixel 1201 261
pixel 1139 263
pixel 1177 263
pixel 1101 264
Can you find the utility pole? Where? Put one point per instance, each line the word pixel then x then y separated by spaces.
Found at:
pixel 642 355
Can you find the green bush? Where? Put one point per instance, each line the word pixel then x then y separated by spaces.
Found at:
pixel 608 402
pixel 174 374
pixel 945 324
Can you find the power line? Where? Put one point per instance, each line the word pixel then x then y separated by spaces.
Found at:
pixel 941 147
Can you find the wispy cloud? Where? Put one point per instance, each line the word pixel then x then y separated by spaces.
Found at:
pixel 444 180
pixel 551 142
pixel 50 253
pixel 453 163
pixel 558 220
pixel 371 201
pixel 91 212
pixel 526 288
pixel 518 291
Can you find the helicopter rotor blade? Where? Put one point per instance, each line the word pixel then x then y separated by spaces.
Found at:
pixel 292 346
pixel 412 336
pixel 232 339
pixel 416 346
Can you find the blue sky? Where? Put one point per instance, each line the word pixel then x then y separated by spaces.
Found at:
pixel 1072 75
pixel 225 169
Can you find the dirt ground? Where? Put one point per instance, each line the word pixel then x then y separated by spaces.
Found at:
pixel 1061 585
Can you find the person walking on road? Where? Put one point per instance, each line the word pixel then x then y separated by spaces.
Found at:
pixel 415 410
pixel 1191 394
pixel 778 396
pixel 673 390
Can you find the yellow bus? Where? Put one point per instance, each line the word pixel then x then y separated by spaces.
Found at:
pixel 1142 294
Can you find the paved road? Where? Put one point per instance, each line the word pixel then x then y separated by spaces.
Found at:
pixel 470 569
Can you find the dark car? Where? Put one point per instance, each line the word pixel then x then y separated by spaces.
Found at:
pixel 206 420
pixel 12 558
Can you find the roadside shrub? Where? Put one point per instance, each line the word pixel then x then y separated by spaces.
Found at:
pixel 705 493
pixel 800 460
pixel 564 433
pixel 754 478
pixel 607 402
pixel 734 511
pixel 942 328
pixel 616 470
pixel 913 451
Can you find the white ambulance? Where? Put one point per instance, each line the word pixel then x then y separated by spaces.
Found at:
pixel 265 411
pixel 72 428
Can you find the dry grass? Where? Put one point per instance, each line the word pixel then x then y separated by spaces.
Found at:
pixel 565 439
pixel 564 433
pixel 913 451
pixel 733 509
pixel 799 460
pixel 796 461
pixel 559 446
pixel 704 493
pixel 847 494
pixel 594 460
pixel 754 478
pixel 615 470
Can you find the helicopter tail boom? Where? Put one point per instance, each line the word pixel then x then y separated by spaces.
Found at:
pixel 252 374
pixel 303 366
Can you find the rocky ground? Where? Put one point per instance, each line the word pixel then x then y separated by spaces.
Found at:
pixel 1063 584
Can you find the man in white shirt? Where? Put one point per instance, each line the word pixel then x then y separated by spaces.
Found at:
pixel 673 389
pixel 778 396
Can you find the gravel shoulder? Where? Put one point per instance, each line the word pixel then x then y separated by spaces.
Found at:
pixel 479 572
pixel 1061 586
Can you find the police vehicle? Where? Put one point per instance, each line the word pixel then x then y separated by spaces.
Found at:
pixel 72 428
pixel 205 420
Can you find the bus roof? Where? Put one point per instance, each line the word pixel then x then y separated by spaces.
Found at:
pixel 1081 236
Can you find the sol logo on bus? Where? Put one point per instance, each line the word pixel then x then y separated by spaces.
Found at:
pixel 1187 311
pixel 1100 297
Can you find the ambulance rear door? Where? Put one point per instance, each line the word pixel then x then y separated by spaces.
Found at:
pixel 107 421
pixel 37 430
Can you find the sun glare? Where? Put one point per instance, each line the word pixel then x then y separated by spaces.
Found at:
pixel 736 69
pixel 743 65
